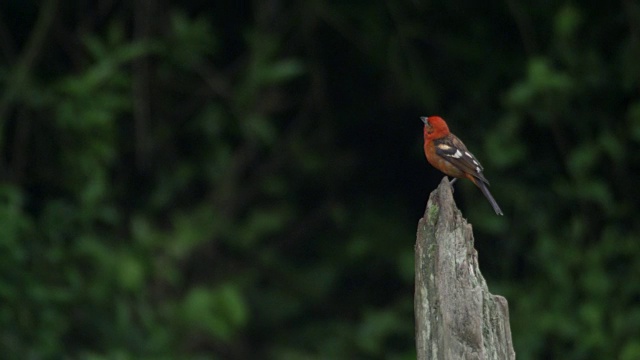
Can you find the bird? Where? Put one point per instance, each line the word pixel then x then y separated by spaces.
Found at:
pixel 448 154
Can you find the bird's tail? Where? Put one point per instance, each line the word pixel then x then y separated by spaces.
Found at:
pixel 487 194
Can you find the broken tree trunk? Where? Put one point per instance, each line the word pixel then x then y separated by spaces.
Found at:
pixel 456 316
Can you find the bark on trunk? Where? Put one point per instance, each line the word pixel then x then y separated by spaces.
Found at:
pixel 456 316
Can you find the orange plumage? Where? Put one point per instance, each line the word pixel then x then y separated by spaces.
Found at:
pixel 448 154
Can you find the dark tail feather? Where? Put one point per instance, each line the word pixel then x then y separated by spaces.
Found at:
pixel 487 194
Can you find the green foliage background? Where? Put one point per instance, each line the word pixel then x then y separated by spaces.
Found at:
pixel 242 180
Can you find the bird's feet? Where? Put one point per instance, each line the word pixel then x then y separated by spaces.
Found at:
pixel 451 182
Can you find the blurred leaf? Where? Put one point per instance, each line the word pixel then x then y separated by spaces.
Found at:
pixel 259 127
pixel 583 159
pixel 612 146
pixel 374 328
pixel 567 21
pixel 633 116
pixel 503 145
pixel 191 40
pixel 630 351
pixel 13 222
pixel 220 312
pixel 261 223
pixel 282 70
pixel 131 272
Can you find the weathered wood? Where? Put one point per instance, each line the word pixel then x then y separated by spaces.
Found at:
pixel 456 316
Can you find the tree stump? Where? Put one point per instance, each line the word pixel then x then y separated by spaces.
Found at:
pixel 456 315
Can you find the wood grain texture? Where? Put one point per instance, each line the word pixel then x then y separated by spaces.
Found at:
pixel 456 315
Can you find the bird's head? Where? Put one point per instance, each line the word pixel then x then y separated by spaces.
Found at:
pixel 434 127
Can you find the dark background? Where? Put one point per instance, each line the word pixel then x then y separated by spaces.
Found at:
pixel 243 180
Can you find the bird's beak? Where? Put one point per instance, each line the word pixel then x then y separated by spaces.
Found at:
pixel 424 120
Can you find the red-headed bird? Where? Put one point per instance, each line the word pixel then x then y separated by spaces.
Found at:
pixel 448 154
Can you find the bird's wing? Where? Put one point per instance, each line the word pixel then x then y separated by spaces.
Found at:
pixel 454 151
